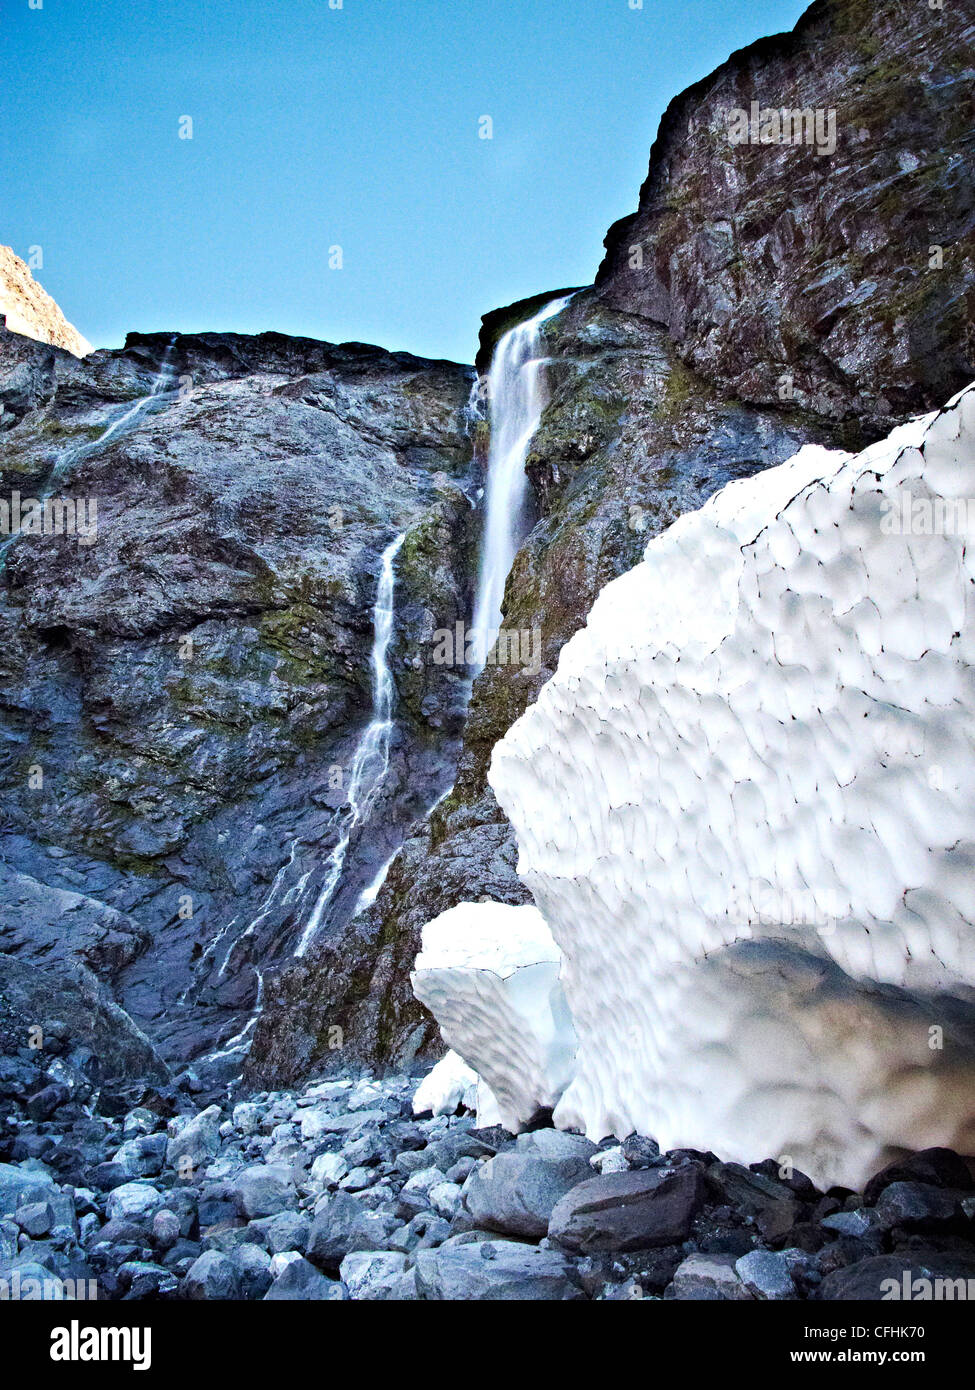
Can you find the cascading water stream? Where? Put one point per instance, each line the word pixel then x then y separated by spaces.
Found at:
pixel 516 399
pixel 371 761
pixel 83 451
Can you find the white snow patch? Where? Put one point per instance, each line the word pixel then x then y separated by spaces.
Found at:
pixel 489 973
pixel 745 807
pixel 445 1086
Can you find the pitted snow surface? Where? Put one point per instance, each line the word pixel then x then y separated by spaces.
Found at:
pixel 745 805
pixel 489 974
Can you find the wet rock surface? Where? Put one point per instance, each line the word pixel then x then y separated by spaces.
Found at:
pixel 184 689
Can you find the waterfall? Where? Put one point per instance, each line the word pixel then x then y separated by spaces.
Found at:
pixel 371 761
pixel 516 400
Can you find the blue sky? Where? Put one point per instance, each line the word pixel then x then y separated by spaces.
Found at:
pixel 316 127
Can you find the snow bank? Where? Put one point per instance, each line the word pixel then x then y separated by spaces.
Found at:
pixel 445 1086
pixel 745 805
pixel 489 973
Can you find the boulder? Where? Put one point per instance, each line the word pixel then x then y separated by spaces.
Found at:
pixel 194 1142
pixel 133 1201
pixel 922 1275
pixel 936 1167
pixel 263 1190
pixel 516 1192
pixel 629 1211
pixel 766 1274
pixel 143 1156
pixel 495 1270
pixel 213 1276
pixel 301 1282
pixel 371 1274
pixel 710 1278
pixel 340 1227
pixel 287 1230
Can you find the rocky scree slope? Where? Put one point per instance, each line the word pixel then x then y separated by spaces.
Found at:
pixel 181 699
pixel 337 1191
pixel 761 297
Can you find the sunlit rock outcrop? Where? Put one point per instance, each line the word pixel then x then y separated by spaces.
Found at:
pixel 31 311
pixel 745 806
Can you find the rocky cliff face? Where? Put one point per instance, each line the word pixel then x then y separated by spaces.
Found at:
pixel 31 311
pixel 762 296
pixel 185 670
pixel 843 265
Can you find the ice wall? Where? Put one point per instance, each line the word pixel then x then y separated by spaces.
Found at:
pixel 745 806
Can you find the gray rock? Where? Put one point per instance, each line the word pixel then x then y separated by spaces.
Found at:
pixel 263 1190
pixel 893 1277
pixel 254 1266
pixel 359 1179
pixel 35 1219
pixel 28 1279
pixel 495 1270
pixel 213 1276
pixel 916 1206
pixel 413 1161
pixel 460 1171
pixel 766 1274
pixel 328 1168
pixel 143 1156
pixel 421 1233
pixel 194 1142
pixel 340 1227
pixel 639 1151
pixel 711 1278
pixel 855 1223
pixel 21 1185
pixel 370 1274
pixel 445 1198
pixel 301 1282
pixel 936 1167
pixel 554 1145
pixel 402 1289
pixel 414 1195
pixel 133 1201
pixel 288 1230
pixel 143 1279
pixel 458 1144
pixel 68 990
pixel 9 1239
pixel 141 1120
pixel 770 1203
pixel 120 1232
pixel 516 1192
pixel 247 1117
pixel 165 1228
pixel 316 1123
pixel 629 1211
